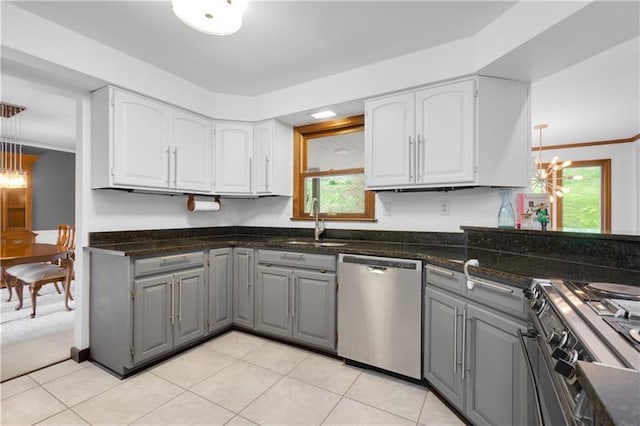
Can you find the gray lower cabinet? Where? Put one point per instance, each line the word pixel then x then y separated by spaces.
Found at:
pixel 169 311
pixel 220 289
pixel 296 303
pixel 243 288
pixel 143 308
pixel 472 356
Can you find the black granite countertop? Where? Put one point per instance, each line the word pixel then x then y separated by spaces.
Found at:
pixel 508 257
pixel 516 270
pixel 614 392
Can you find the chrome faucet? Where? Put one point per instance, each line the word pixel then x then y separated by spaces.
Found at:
pixel 319 227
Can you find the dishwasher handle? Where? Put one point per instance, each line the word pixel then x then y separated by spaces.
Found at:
pixel 377 269
pixel 382 264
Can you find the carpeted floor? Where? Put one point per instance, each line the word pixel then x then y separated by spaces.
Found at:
pixel 29 344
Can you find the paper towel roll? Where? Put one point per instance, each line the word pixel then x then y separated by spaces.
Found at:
pixel 194 205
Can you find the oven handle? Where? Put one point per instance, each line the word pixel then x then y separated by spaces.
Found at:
pixel 521 336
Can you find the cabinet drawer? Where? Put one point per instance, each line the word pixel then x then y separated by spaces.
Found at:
pixel 498 296
pixel 154 265
pixel 447 279
pixel 297 259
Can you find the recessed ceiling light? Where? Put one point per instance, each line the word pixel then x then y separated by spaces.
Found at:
pixel 323 114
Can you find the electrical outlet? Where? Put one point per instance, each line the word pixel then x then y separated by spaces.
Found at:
pixel 444 208
pixel 386 208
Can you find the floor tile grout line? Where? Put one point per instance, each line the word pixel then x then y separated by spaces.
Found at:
pixel 257 397
pixel 92 397
pixel 424 402
pixel 332 409
pixel 159 406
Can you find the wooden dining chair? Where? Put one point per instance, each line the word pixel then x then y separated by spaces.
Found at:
pixel 66 233
pixel 35 275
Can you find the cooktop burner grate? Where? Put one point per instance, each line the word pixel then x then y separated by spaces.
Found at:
pixel 615 291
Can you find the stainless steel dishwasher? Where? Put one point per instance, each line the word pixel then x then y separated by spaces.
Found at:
pixel 380 312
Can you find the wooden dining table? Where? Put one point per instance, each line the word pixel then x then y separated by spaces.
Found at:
pixel 16 254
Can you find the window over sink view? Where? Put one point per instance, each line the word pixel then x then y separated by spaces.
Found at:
pixel 333 154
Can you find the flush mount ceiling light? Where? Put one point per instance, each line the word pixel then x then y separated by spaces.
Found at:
pixel 323 114
pixel 217 17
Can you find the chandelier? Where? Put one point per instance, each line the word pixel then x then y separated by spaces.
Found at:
pixel 217 17
pixel 11 173
pixel 545 178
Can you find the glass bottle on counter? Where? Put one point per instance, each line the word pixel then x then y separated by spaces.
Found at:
pixel 506 215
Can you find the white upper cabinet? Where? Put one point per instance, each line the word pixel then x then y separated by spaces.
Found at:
pixel 192 152
pixel 263 148
pixel 233 158
pixel 472 132
pixel 253 159
pixel 389 140
pixel 141 140
pixel 139 143
pixel 445 148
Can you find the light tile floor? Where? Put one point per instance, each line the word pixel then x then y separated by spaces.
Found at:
pixel 234 379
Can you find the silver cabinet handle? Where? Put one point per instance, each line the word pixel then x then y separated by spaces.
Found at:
pixel 440 271
pixel 173 312
pixel 293 255
pixel 175 166
pixel 293 295
pixel 410 158
pixel 266 172
pixel 455 340
pixel 464 340
pixel 248 273
pixel 419 159
pixel 168 165
pixel 491 286
pixel 289 291
pixel 180 299
pixel 250 173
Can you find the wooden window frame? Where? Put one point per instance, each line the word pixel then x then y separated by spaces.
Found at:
pixel 301 135
pixel 605 191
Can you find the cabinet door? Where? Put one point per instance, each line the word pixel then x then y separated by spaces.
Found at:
pixel 445 134
pixel 273 300
pixel 191 153
pixel 220 288
pixel 263 165
pixel 141 141
pixel 153 322
pixel 243 289
pixel 314 308
pixel 233 158
pixel 496 380
pixel 389 141
pixel 443 344
pixel 189 306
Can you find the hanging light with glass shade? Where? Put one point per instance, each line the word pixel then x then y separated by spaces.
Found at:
pixel 545 177
pixel 217 17
pixel 11 173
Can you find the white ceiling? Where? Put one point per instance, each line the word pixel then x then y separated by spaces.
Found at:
pixel 281 44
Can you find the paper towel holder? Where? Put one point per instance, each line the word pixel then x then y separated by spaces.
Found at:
pixel 191 202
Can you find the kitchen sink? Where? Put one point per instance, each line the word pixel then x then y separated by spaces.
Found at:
pixel 316 243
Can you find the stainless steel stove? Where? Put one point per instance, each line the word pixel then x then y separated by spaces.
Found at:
pixel 575 321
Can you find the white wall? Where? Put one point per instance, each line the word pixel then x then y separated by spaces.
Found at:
pixel 624 185
pixel 596 99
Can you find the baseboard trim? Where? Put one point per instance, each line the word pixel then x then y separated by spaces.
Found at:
pixel 79 355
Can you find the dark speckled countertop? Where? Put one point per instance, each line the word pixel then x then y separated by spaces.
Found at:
pixel 614 392
pixel 500 259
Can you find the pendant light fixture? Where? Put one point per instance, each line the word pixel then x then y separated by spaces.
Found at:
pixel 546 178
pixel 11 173
pixel 217 17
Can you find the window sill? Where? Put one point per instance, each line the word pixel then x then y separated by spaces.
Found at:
pixel 334 219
